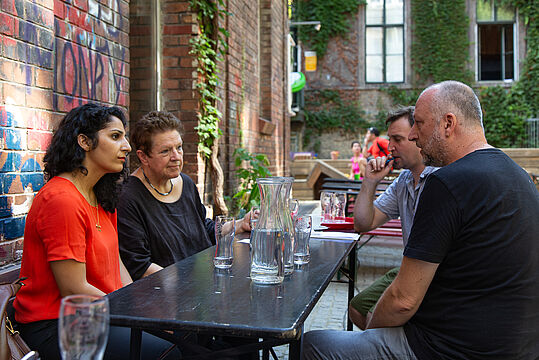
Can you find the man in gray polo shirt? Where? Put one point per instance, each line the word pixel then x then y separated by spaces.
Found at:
pixel 399 200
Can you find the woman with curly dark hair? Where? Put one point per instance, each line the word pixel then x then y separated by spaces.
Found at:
pixel 70 237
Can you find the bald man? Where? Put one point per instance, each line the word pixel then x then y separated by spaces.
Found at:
pixel 468 286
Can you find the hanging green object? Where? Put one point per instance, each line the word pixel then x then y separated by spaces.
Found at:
pixel 297 79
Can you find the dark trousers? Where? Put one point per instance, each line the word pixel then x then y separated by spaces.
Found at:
pixel 42 336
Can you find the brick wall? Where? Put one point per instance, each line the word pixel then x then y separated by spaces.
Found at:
pixel 255 106
pixel 241 122
pixel 54 55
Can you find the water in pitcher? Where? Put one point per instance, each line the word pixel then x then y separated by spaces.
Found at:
pixel 267 265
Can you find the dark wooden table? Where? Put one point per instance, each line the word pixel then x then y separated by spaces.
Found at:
pixel 192 295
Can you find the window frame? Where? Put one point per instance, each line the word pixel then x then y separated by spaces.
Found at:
pixel 384 26
pixel 514 24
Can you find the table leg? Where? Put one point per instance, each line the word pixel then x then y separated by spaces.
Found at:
pixel 352 280
pixel 295 348
pixel 135 344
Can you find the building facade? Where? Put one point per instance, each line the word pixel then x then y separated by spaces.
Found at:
pixel 59 54
pixel 377 53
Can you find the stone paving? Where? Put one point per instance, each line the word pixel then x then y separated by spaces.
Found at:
pixel 331 310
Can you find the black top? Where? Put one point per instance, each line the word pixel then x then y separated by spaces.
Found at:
pixel 193 295
pixel 151 231
pixel 479 219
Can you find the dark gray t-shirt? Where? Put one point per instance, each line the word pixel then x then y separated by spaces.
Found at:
pixel 478 218
pixel 151 231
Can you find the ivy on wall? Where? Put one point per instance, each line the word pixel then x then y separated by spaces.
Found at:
pixel 440 50
pixel 326 110
pixel 208 48
pixel 504 112
pixel 334 17
pixel 527 87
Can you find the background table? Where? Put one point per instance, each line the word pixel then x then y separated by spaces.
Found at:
pixel 192 295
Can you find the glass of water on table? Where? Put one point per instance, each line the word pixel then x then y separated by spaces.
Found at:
pixel 225 229
pixel 302 226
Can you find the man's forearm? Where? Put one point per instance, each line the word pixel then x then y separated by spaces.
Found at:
pixel 390 311
pixel 363 207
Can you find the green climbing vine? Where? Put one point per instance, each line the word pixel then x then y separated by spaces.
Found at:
pixel 208 48
pixel 326 110
pixel 527 87
pixel 440 50
pixel 334 17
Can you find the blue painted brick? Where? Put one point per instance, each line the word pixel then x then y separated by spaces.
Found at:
pixel 14 227
pixel 14 138
pixel 5 211
pixel 13 162
pixel 6 117
pixel 30 165
pixel 36 179
pixel 2 176
pixel 7 180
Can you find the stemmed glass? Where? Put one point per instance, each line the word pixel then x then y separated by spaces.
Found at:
pixel 83 327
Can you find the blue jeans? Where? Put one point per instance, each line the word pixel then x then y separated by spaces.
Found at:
pixel 383 343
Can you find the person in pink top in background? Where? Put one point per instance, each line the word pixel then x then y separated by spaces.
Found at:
pixel 355 170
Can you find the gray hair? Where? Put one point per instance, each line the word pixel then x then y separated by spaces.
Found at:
pixel 458 98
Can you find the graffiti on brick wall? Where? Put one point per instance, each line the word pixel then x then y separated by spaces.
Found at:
pixel 20 176
pixel 89 66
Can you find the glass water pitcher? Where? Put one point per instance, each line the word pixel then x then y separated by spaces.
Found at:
pixel 267 247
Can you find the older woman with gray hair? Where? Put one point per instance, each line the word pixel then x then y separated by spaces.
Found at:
pixel 161 218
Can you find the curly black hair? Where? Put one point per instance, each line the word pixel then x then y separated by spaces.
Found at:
pixel 64 153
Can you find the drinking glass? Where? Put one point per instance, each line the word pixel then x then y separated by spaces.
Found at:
pixel 83 327
pixel 225 228
pixel 326 203
pixel 302 226
pixel 338 207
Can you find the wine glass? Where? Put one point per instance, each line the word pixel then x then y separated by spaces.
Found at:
pixel 83 327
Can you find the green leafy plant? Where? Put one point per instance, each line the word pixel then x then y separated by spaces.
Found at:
pixel 527 87
pixel 440 50
pixel 334 17
pixel 248 194
pixel 208 48
pixel 503 116
pixel 326 110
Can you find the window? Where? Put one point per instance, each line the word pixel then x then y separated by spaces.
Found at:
pixel 384 41
pixel 496 41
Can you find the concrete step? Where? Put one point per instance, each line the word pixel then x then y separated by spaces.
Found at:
pixel 301 191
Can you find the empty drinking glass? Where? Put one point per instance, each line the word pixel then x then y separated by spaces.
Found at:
pixel 339 206
pixel 326 203
pixel 225 228
pixel 302 225
pixel 83 327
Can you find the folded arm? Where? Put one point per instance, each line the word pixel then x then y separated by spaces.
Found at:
pixel 402 298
